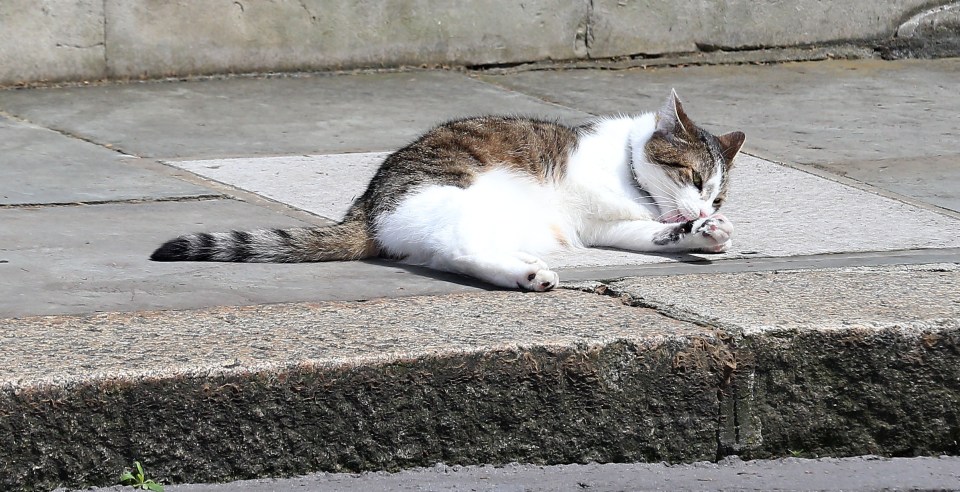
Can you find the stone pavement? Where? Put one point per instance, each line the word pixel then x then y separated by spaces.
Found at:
pixel 832 328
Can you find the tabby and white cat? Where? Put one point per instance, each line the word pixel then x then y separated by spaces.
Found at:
pixel 488 196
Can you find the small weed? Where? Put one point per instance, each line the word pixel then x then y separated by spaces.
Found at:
pixel 796 453
pixel 138 479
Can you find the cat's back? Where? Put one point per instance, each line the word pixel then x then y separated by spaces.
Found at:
pixel 462 148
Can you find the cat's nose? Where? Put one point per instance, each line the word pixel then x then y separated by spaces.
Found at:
pixel 703 213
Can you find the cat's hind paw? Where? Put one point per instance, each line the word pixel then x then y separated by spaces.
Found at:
pixel 539 281
pixel 714 233
pixel 537 276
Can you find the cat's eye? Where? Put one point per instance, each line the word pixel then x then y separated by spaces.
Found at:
pixel 717 203
pixel 698 180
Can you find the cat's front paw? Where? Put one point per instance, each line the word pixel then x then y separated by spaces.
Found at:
pixel 536 276
pixel 714 233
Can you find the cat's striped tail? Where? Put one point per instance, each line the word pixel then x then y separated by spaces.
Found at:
pixel 348 240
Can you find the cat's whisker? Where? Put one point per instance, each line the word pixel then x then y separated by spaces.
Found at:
pixel 660 182
pixel 660 197
pixel 662 216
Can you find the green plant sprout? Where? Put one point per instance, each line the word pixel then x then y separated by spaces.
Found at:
pixel 139 479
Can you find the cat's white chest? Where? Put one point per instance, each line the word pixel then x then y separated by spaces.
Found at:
pixel 600 185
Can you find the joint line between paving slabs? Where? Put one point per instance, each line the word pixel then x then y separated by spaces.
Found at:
pixel 816 170
pixel 66 133
pixel 128 201
pixel 725 336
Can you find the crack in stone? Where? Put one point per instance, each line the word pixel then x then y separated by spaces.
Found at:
pixel 583 36
pixel 724 359
pixel 81 46
pixel 306 9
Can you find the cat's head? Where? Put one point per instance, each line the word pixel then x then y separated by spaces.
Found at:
pixel 686 168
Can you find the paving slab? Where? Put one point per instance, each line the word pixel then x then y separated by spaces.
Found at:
pixel 932 180
pixel 909 296
pixel 325 185
pixel 95 258
pixel 777 211
pixel 41 166
pixel 835 114
pixel 267 116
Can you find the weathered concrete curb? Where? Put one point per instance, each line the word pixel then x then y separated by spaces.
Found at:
pixel 94 39
pixel 893 391
pixel 230 393
pixel 643 387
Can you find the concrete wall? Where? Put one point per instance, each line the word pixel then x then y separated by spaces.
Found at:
pixel 654 27
pixel 158 37
pixel 51 40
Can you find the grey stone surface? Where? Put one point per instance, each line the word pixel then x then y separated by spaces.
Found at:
pixel 934 179
pixel 823 113
pixel 342 388
pixel 199 118
pixel 493 378
pixel 857 473
pixel 629 27
pixel 51 41
pixel 257 116
pixel 932 33
pixel 95 258
pixel 907 297
pixel 833 362
pixel 943 20
pixel 816 362
pixel 151 38
pixel 884 384
pixel 44 167
pixel 591 277
pixel 325 185
pixel 232 339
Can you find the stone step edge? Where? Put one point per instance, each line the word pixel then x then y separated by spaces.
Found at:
pixel 891 391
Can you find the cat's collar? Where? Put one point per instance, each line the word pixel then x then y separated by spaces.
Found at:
pixel 633 170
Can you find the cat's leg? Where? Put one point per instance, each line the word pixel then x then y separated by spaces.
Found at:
pixel 709 234
pixel 511 270
pixel 491 230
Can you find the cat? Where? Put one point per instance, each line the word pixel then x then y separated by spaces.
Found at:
pixel 488 196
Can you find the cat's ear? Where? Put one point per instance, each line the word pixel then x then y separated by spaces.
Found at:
pixel 671 118
pixel 730 144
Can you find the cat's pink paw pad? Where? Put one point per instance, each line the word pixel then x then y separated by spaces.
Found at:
pixel 717 230
pixel 720 248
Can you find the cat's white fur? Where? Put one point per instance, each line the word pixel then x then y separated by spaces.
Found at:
pixel 498 228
